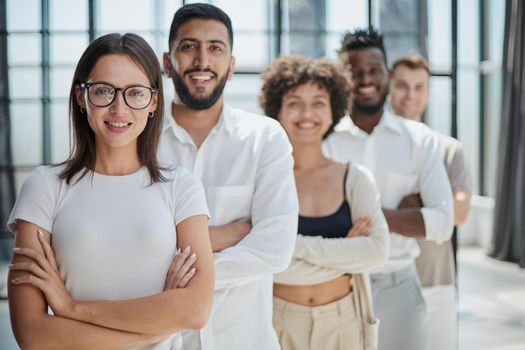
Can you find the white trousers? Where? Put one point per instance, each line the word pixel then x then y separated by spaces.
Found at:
pixel 441 319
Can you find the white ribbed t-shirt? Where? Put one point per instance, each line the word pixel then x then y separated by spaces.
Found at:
pixel 114 236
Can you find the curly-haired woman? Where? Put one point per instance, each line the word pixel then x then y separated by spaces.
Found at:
pixel 342 230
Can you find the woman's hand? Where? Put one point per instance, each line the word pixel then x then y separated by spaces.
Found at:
pixel 42 272
pixel 361 227
pixel 181 270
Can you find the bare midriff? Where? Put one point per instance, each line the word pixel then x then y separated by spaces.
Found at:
pixel 316 294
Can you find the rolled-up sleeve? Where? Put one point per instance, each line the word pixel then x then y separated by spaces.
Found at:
pixel 268 247
pixel 436 194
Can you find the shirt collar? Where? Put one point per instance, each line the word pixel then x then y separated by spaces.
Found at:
pixel 225 123
pixel 388 121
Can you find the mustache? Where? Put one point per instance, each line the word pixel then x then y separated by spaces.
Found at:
pixel 194 70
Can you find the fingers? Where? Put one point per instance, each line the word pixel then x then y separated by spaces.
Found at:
pixel 29 279
pixel 34 255
pixel 48 251
pixel 180 268
pixel 31 267
pixel 185 268
pixel 361 227
pixel 187 277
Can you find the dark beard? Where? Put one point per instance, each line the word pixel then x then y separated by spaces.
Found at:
pixel 371 109
pixel 193 102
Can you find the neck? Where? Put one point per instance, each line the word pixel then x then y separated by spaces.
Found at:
pixel 307 157
pixel 117 161
pixel 366 121
pixel 198 123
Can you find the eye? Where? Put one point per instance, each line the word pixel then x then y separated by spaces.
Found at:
pixel 136 92
pixel 216 48
pixel 103 91
pixel 186 47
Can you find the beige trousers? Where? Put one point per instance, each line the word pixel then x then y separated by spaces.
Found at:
pixel 333 326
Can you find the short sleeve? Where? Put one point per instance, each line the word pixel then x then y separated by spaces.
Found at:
pixel 36 200
pixel 458 171
pixel 188 196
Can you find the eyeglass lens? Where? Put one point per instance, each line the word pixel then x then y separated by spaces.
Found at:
pixel 136 97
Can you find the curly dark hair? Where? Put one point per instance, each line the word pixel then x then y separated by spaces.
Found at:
pixel 289 72
pixel 361 39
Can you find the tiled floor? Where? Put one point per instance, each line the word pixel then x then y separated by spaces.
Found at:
pixel 491 305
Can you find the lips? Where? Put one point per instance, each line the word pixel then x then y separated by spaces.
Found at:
pixel 306 125
pixel 367 90
pixel 117 126
pixel 199 77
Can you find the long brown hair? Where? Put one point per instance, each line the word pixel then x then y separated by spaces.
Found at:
pixel 83 153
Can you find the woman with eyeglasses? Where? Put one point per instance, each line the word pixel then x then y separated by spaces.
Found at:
pixel 342 230
pixel 116 245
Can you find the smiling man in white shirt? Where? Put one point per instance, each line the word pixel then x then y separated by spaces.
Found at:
pixel 244 162
pixel 404 159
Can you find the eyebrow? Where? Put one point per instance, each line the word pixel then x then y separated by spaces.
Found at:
pixel 212 41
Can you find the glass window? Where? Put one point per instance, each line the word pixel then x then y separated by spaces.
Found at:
pixel 343 15
pixel 25 82
pixel 439 35
pixel 243 92
pixel 61 79
pixel 125 15
pixel 68 15
pixel 468 45
pixel 439 111
pixel 59 132
pixel 67 48
pixel 29 21
pixel 250 51
pixel 24 49
pixel 468 119
pixel 26 133
pixel 170 7
pixel 238 10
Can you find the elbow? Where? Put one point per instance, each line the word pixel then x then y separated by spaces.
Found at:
pixel 199 319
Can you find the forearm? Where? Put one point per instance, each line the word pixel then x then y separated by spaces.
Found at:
pixel 301 272
pixel 406 221
pixel 168 312
pixel 461 206
pixel 53 332
pixel 350 254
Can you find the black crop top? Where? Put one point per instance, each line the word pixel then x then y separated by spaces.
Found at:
pixel 335 225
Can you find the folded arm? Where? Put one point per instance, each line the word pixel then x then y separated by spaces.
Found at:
pixel 154 316
pixel 434 220
pixel 268 247
pixel 35 329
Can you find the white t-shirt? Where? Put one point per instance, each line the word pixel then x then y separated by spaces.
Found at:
pixel 114 236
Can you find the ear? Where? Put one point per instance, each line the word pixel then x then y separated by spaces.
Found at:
pixel 231 68
pixel 154 102
pixel 79 94
pixel 166 63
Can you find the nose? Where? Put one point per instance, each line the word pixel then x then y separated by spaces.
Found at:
pixel 118 105
pixel 307 112
pixel 202 59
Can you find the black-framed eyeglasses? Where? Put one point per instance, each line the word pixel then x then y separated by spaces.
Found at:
pixel 103 94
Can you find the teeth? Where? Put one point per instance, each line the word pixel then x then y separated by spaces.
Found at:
pixel 306 125
pixel 201 77
pixel 367 90
pixel 118 124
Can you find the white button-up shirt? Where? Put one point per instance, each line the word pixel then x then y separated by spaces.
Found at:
pixel 404 159
pixel 246 167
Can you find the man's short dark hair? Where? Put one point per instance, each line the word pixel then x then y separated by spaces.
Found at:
pixel 362 39
pixel 199 11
